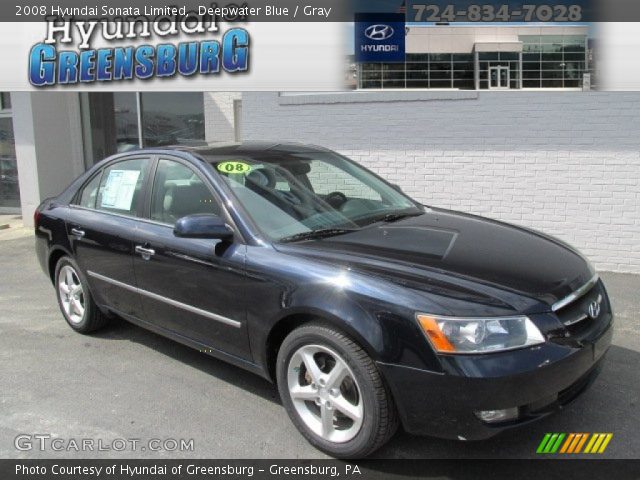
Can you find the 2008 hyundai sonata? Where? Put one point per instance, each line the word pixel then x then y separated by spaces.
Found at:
pixel 368 309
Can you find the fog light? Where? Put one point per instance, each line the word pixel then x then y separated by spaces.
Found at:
pixel 495 416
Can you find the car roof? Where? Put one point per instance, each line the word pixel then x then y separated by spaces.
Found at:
pixel 262 149
pixel 248 148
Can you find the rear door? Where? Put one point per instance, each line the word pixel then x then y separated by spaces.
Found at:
pixel 102 227
pixel 192 287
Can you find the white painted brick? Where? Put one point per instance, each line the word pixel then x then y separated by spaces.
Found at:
pixel 219 116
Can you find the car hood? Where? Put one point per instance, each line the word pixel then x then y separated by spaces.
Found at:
pixel 461 256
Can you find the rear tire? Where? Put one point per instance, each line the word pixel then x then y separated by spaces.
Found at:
pixel 334 393
pixel 75 301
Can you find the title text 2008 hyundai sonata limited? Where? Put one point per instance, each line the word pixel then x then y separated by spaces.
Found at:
pixel 368 309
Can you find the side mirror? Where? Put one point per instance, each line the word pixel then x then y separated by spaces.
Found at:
pixel 397 187
pixel 202 225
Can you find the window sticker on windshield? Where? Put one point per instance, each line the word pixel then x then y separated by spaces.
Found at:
pixel 234 167
pixel 119 189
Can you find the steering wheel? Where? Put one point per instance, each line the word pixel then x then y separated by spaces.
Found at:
pixel 263 182
pixel 291 196
pixel 336 199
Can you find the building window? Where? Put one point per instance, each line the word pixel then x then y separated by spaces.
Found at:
pixel 553 61
pixel 125 111
pixel 9 189
pixel 5 101
pixel 110 124
pixel 436 70
pixel 172 119
pixel 371 75
pixel 120 122
pixel 548 61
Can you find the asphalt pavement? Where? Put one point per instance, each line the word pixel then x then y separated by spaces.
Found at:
pixel 130 384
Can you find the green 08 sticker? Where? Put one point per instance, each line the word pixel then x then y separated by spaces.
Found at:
pixel 234 167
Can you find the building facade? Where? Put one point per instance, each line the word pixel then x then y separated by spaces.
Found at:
pixel 485 58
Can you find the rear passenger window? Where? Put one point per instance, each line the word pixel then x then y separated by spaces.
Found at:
pixel 121 186
pixel 178 192
pixel 89 193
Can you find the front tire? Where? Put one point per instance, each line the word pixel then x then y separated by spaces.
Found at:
pixel 334 393
pixel 75 301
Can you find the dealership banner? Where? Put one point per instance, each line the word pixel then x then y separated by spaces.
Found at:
pixel 311 46
pixel 379 37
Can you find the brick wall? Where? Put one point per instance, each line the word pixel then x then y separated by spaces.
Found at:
pixel 567 163
pixel 219 116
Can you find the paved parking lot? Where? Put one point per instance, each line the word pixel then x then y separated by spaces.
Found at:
pixel 128 383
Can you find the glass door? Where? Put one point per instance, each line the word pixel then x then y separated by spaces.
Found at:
pixel 499 78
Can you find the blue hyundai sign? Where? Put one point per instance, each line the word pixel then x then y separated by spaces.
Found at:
pixel 379 37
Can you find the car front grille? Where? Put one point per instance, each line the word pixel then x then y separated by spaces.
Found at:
pixel 582 314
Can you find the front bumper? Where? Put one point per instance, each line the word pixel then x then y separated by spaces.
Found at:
pixel 538 381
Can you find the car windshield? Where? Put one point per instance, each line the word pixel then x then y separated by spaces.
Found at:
pixel 297 195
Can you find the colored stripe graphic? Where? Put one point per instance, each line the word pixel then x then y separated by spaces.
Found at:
pixel 594 437
pixel 556 445
pixel 543 443
pixel 607 439
pixel 576 441
pixel 567 443
pixel 550 443
pixel 581 443
pixel 583 439
pixel 573 443
pixel 598 443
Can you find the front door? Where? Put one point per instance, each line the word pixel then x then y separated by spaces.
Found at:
pixel 192 287
pixel 499 78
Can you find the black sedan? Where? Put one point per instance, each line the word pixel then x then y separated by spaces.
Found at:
pixel 368 309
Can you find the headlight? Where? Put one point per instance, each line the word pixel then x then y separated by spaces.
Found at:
pixel 479 335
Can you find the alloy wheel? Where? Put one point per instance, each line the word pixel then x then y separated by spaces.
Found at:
pixel 325 393
pixel 71 294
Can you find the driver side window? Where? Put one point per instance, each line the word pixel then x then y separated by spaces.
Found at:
pixel 178 192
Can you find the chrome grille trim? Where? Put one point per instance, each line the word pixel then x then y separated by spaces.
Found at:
pixel 575 295
pixel 582 317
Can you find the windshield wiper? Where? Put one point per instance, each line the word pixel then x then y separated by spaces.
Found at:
pixel 321 233
pixel 393 217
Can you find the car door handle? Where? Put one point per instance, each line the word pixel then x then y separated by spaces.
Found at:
pixel 146 253
pixel 76 232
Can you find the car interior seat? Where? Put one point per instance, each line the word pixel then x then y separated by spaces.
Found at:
pixel 183 200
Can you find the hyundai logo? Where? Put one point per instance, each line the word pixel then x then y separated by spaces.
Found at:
pixel 378 32
pixel 594 308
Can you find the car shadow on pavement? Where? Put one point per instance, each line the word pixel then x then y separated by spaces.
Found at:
pixel 610 405
pixel 120 329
